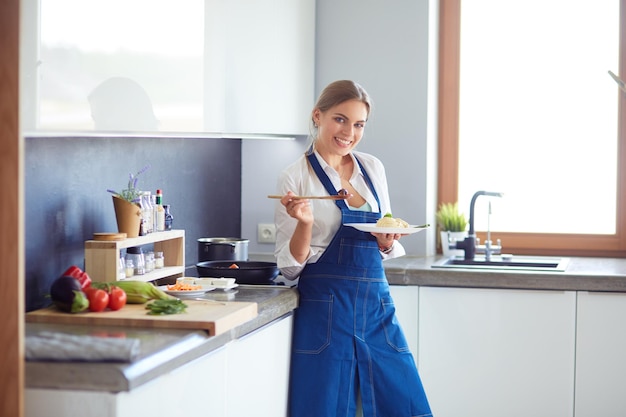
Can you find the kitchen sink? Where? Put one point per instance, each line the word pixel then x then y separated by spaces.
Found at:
pixel 506 262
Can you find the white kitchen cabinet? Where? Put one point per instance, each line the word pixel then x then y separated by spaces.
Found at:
pixel 258 372
pixel 600 355
pixel 246 377
pixel 494 353
pixel 196 389
pixel 218 68
pixel 259 66
pixel 405 299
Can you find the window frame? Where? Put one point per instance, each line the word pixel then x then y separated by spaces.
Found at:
pixel 448 152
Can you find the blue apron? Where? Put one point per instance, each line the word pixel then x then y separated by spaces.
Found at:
pixel 346 337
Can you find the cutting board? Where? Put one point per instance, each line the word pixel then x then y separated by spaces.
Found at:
pixel 214 317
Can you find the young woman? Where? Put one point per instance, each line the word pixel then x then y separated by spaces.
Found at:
pixel 347 344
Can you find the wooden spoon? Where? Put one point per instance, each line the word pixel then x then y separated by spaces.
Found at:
pixel 341 195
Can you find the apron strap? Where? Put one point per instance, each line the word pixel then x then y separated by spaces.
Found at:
pixel 328 185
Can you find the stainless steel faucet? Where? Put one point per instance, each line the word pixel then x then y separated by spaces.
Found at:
pixel 489 248
pixel 469 244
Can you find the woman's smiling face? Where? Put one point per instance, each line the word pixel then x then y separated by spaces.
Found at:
pixel 340 128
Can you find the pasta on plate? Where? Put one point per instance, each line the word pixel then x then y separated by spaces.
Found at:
pixel 391 222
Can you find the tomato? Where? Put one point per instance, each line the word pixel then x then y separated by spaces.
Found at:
pixel 98 299
pixel 117 298
pixel 233 266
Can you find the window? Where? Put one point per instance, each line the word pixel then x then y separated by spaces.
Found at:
pixel 527 107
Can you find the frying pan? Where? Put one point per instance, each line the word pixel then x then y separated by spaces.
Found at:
pixel 249 272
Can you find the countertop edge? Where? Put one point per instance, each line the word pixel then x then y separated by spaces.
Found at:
pixel 581 274
pixel 116 377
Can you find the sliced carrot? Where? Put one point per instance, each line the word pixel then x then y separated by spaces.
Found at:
pixel 180 286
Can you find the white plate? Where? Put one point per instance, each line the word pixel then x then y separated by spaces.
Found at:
pixel 371 227
pixel 187 293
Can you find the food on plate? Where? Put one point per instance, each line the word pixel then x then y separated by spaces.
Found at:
pixel 234 266
pixel 389 221
pixel 183 286
pixel 68 296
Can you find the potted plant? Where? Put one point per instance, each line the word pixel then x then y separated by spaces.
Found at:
pixel 127 207
pixel 452 226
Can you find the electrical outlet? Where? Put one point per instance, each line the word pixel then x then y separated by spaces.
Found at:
pixel 266 233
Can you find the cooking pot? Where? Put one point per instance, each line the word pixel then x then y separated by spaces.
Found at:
pixel 222 248
pixel 248 272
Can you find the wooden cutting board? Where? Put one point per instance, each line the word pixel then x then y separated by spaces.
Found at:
pixel 214 317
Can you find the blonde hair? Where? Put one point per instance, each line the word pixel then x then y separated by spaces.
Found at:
pixel 336 93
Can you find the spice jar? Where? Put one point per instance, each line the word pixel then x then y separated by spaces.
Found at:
pixel 121 268
pixel 136 255
pixel 129 268
pixel 150 262
pixel 159 260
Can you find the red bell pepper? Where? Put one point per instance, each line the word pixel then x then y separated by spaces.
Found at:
pixel 80 275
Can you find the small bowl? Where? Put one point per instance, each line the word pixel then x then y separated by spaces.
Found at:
pixel 222 282
pixel 187 280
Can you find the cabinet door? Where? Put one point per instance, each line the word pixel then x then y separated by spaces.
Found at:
pixel 405 300
pixel 217 66
pixel 494 353
pixel 258 372
pixel 600 355
pixel 259 69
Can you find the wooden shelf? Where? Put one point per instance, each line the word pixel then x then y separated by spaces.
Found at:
pixel 101 257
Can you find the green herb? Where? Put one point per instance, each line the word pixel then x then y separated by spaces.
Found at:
pixel 388 215
pixel 162 307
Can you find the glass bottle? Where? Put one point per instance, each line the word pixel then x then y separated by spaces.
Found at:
pixel 169 219
pixel 159 211
pixel 147 225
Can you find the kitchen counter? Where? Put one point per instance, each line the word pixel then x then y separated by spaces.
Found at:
pixel 162 350
pixel 581 274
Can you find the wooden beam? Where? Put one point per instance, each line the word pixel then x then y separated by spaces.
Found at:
pixel 11 220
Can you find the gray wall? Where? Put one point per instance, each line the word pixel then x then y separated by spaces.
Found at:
pixel 390 48
pixel 66 198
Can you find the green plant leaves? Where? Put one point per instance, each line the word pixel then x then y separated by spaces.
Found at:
pixel 450 219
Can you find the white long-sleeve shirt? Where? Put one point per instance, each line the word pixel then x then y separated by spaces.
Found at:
pixel 300 178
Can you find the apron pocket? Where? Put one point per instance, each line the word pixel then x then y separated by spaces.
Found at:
pixel 393 332
pixel 312 331
pixel 359 252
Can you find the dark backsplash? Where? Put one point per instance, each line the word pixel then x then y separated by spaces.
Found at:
pixel 66 199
